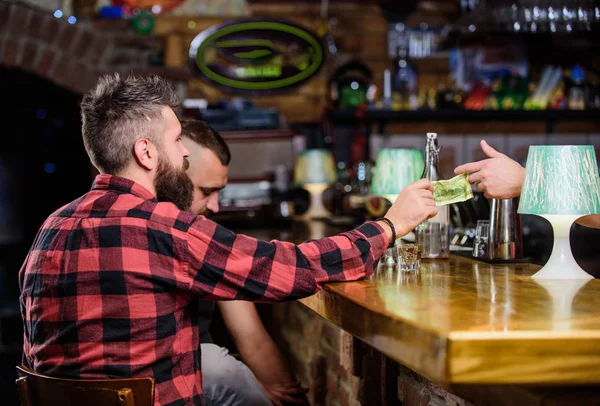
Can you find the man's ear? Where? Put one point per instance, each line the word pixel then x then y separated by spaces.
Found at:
pixel 145 153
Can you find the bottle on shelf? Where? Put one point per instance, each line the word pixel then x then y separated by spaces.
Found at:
pixel 576 91
pixel 433 234
pixel 405 92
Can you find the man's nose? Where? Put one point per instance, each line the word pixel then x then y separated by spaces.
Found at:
pixel 213 203
pixel 184 150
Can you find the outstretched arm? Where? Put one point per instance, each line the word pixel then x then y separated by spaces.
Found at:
pixel 260 353
pixel 222 265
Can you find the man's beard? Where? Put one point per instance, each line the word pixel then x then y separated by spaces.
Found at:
pixel 173 185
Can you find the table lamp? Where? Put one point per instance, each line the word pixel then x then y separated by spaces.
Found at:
pixel 561 184
pixel 394 170
pixel 315 172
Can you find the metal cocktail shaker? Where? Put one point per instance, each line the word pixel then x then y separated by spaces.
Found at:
pixel 505 236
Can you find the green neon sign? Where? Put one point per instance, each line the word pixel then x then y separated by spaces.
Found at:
pixel 256 56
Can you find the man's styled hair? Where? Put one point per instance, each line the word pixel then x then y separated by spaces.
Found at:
pixel 119 111
pixel 203 134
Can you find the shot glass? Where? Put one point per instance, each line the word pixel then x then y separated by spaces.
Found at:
pixel 389 259
pixel 409 257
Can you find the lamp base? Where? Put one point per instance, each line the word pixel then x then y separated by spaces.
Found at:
pixel 316 209
pixel 561 264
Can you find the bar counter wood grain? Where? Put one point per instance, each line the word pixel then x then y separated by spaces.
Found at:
pixel 461 321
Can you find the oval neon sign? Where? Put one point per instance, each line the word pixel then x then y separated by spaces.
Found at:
pixel 256 56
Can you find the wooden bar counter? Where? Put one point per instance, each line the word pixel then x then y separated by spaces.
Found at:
pixel 488 333
pixel 461 321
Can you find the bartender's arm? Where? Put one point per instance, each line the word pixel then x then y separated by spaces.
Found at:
pixel 500 177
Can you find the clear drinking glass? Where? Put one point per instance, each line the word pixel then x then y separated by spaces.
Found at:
pixel 482 233
pixel 389 258
pixel 409 257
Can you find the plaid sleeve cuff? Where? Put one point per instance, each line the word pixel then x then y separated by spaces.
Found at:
pixel 374 234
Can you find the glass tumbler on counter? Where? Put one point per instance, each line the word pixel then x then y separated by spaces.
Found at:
pixel 480 244
pixel 409 257
pixel 389 258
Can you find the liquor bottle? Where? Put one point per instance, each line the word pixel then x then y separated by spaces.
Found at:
pixel 404 85
pixel 433 234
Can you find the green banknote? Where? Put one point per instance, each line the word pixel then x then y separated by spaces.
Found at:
pixel 457 189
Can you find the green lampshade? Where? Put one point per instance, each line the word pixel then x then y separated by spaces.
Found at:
pixel 394 170
pixel 561 180
pixel 315 166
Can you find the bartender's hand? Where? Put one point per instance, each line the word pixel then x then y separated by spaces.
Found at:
pixel 499 177
pixel 413 205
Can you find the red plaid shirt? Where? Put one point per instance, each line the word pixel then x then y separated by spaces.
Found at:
pixel 109 286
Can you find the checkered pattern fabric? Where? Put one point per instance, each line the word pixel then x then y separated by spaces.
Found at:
pixel 110 285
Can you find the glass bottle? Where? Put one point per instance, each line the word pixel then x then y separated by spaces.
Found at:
pixel 433 234
pixel 404 83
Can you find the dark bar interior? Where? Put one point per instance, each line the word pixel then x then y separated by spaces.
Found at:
pixel 320 114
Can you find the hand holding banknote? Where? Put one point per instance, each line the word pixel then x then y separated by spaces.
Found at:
pixel 413 205
pixel 499 177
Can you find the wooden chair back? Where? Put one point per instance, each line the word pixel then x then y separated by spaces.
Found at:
pixel 40 390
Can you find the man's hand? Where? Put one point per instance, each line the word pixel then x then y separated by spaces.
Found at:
pixel 499 177
pixel 413 205
pixel 292 392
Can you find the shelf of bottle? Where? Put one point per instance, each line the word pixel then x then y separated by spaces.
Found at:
pixel 469 115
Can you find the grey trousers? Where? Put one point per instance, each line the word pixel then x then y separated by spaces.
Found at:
pixel 227 381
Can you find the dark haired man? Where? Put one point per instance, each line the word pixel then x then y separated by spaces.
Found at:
pixel 110 285
pixel 267 378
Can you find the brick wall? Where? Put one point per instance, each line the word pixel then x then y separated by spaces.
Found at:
pixel 343 371
pixel 73 55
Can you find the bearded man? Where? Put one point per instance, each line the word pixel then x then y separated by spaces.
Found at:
pixel 111 284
